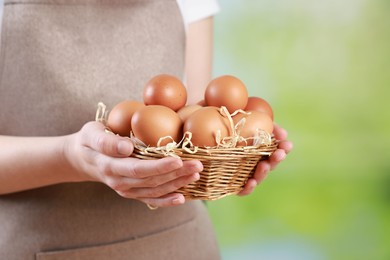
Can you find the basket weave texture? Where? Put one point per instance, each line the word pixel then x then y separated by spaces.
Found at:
pixel 225 170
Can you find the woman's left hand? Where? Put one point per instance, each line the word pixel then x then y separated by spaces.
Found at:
pixel 264 167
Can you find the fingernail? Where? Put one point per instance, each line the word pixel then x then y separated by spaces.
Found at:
pixel 177 201
pixel 255 183
pixel 282 156
pixel 196 176
pixel 197 167
pixel 124 148
pixel 176 164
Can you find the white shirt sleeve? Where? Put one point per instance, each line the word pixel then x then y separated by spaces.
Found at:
pixel 195 10
pixel 1 12
pixel 191 10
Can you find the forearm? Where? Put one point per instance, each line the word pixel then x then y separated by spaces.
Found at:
pixel 31 162
pixel 199 54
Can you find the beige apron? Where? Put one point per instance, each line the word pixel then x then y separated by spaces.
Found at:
pixel 59 58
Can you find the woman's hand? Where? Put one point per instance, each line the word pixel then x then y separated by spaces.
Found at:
pixel 264 167
pixel 100 156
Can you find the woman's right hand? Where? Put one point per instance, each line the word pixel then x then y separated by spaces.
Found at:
pixel 95 155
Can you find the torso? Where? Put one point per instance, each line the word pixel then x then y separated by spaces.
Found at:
pixel 58 60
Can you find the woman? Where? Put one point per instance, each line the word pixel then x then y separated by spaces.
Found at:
pixel 68 189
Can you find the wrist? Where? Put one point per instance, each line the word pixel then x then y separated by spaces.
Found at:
pixel 69 157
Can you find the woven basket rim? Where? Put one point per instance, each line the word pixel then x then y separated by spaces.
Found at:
pixel 264 149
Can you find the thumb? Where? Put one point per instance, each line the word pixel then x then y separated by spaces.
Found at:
pixel 97 138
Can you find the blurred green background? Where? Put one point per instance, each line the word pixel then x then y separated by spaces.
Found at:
pixel 325 68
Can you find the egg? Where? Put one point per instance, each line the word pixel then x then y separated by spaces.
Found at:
pixel 119 118
pixel 255 120
pixel 165 90
pixel 186 111
pixel 259 104
pixel 227 91
pixel 153 122
pixel 204 125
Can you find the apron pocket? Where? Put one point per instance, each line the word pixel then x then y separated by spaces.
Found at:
pixel 173 243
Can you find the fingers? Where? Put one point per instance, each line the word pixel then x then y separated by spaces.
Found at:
pixel 152 178
pixel 189 167
pixel 285 145
pixel 264 167
pixel 120 179
pixel 280 133
pixel 278 156
pixel 248 188
pixel 161 190
pixel 262 170
pixel 95 137
pixel 168 200
pixel 146 168
pixel 140 169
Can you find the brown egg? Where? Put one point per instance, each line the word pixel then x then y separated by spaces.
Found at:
pixel 165 90
pixel 259 104
pixel 153 122
pixel 226 91
pixel 119 118
pixel 204 124
pixel 186 111
pixel 256 120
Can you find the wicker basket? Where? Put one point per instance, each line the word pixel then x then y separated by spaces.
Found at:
pixel 225 170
